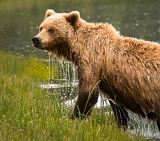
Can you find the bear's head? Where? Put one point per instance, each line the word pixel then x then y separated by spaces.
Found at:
pixel 55 30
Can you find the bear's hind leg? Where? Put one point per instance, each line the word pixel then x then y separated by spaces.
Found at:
pixel 121 115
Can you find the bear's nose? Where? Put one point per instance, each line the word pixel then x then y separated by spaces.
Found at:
pixel 36 40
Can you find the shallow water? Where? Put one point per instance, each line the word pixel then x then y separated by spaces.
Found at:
pixel 19 21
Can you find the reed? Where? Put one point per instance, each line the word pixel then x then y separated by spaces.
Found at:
pixel 29 113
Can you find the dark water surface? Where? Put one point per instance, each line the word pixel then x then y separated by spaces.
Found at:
pixel 19 21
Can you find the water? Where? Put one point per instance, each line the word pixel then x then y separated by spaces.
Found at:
pixel 19 21
pixel 62 79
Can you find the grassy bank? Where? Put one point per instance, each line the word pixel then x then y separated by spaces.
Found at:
pixel 27 113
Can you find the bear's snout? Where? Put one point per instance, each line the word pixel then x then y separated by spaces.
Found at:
pixel 36 41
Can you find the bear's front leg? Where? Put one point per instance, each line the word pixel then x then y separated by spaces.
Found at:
pixel 88 95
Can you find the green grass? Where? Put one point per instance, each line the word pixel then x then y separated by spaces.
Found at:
pixel 28 113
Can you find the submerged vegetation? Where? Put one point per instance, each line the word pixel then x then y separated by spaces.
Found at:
pixel 28 112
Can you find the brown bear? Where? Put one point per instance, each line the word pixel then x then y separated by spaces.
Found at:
pixel 125 69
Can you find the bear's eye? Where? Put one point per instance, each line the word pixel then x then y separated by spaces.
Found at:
pixel 51 31
pixel 40 29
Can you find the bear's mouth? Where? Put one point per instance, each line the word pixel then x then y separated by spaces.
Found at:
pixel 43 48
pixel 39 46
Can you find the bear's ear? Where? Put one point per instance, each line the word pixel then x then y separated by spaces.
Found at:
pixel 72 17
pixel 49 12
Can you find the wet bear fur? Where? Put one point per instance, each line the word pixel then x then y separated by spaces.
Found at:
pixel 126 70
